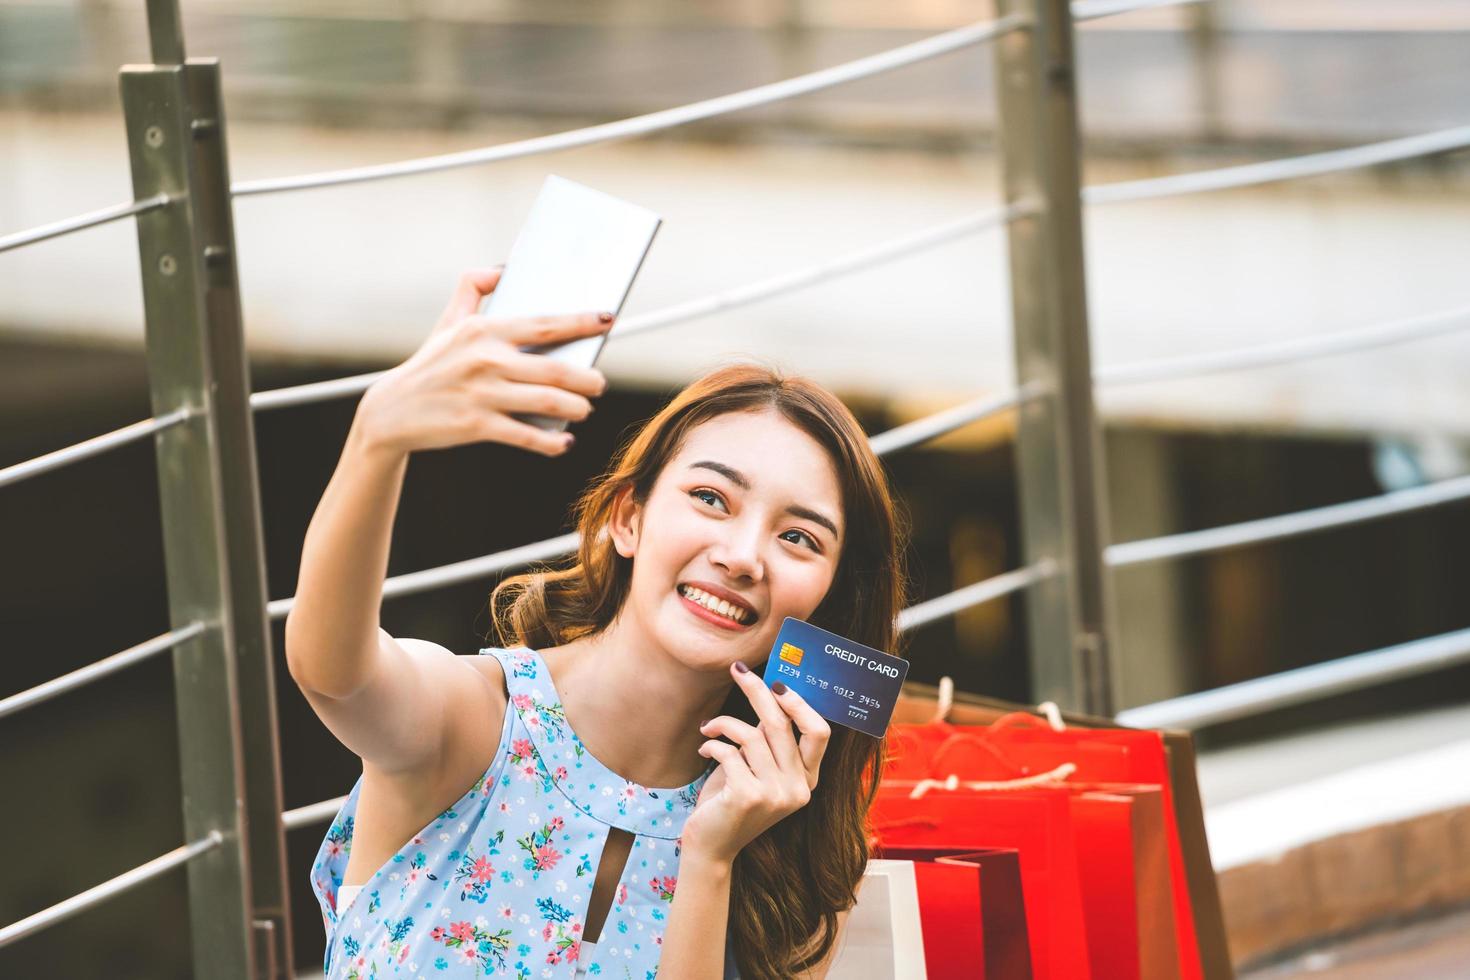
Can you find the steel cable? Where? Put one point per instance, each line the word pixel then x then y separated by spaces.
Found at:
pixel 98 669
pixel 884 61
pixel 703 306
pixel 91 447
pixel 1303 684
pixel 1271 171
pixel 98 894
pixel 82 221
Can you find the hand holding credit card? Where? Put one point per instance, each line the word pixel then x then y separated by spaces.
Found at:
pixel 844 681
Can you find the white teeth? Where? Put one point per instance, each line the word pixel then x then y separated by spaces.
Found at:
pixel 722 607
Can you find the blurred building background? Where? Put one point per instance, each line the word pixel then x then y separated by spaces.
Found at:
pixel 350 279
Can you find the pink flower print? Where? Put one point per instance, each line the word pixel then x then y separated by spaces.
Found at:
pixel 540 855
pixel 521 747
pixel 664 887
pixel 561 772
pixel 482 870
pixel 566 942
pixel 533 722
pixel 334 849
pixel 528 771
pixel 521 701
pixel 506 912
pixel 622 894
pixel 626 796
pixel 478 947
pixel 504 807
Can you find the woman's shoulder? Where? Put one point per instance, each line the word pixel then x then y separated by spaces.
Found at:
pixel 474 701
pixel 464 675
pixel 490 670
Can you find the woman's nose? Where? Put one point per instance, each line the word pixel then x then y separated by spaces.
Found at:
pixel 739 553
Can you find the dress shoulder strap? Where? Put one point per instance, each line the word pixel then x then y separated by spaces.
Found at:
pixel 525 671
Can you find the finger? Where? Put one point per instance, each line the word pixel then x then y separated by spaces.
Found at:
pixel 815 732
pixel 774 720
pixel 536 369
pixel 737 773
pixel 512 396
pixel 472 287
pixel 514 432
pixel 538 331
pixel 751 740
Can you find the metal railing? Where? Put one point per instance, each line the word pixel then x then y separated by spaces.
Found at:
pixel 203 430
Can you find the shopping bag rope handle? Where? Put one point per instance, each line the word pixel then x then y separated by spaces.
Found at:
pixel 946 699
pixel 953 782
pixel 944 703
pixel 974 740
pixel 981 739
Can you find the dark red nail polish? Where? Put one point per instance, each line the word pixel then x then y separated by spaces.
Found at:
pixel 740 667
pixel 605 317
pixel 779 687
pixel 705 722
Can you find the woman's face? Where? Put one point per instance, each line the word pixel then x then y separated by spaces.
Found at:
pixel 750 508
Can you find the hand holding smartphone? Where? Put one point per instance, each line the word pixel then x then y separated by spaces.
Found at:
pixel 578 252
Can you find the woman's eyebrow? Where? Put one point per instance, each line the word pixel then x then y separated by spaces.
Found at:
pixel 740 480
pixel 730 473
pixel 811 515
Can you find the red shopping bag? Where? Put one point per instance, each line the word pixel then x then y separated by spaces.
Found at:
pixel 1127 894
pixel 1111 756
pixel 971 910
pixel 920 704
pixel 1020 745
pixel 1035 822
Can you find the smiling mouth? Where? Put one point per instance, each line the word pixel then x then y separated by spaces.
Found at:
pixel 719 607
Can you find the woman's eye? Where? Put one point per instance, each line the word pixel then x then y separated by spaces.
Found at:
pixel 812 542
pixel 701 494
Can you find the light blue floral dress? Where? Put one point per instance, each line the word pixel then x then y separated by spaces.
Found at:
pixel 499 883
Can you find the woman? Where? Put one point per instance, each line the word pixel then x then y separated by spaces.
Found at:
pixel 596 784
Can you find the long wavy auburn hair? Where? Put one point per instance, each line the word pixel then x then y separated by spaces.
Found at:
pixel 789 883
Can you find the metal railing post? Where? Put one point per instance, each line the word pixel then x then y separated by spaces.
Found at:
pixel 1059 468
pixel 210 503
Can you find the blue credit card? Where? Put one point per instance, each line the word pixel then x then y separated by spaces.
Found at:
pixel 844 681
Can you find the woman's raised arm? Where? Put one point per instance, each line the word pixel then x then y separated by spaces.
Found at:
pixel 385 699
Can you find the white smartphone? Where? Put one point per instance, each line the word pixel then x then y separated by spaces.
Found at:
pixel 578 252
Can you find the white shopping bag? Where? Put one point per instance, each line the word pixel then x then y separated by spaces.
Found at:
pixel 882 939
